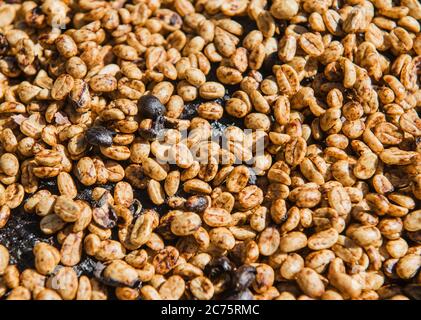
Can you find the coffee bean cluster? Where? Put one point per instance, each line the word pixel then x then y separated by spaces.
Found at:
pixel 103 192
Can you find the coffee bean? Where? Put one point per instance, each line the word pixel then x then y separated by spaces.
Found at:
pixel 196 203
pixel 104 215
pixel 150 107
pixel 218 266
pixel 100 136
pixel 150 129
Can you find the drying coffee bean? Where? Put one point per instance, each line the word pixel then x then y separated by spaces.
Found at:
pixel 107 280
pixel 196 204
pixel 104 215
pixel 243 277
pixel 276 99
pixel 100 136
pixel 150 107
pixel 149 129
pixel 218 266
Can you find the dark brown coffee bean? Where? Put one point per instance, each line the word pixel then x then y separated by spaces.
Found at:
pixel 218 266
pixel 150 107
pixel 100 136
pixel 196 204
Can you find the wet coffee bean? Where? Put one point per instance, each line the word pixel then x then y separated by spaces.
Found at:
pixel 100 136
pixel 196 204
pixel 243 277
pixel 150 107
pixel 218 266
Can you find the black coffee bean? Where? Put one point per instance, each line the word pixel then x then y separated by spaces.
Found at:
pixel 243 277
pixel 150 107
pixel 240 295
pixel 196 204
pixel 218 266
pixel 100 136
